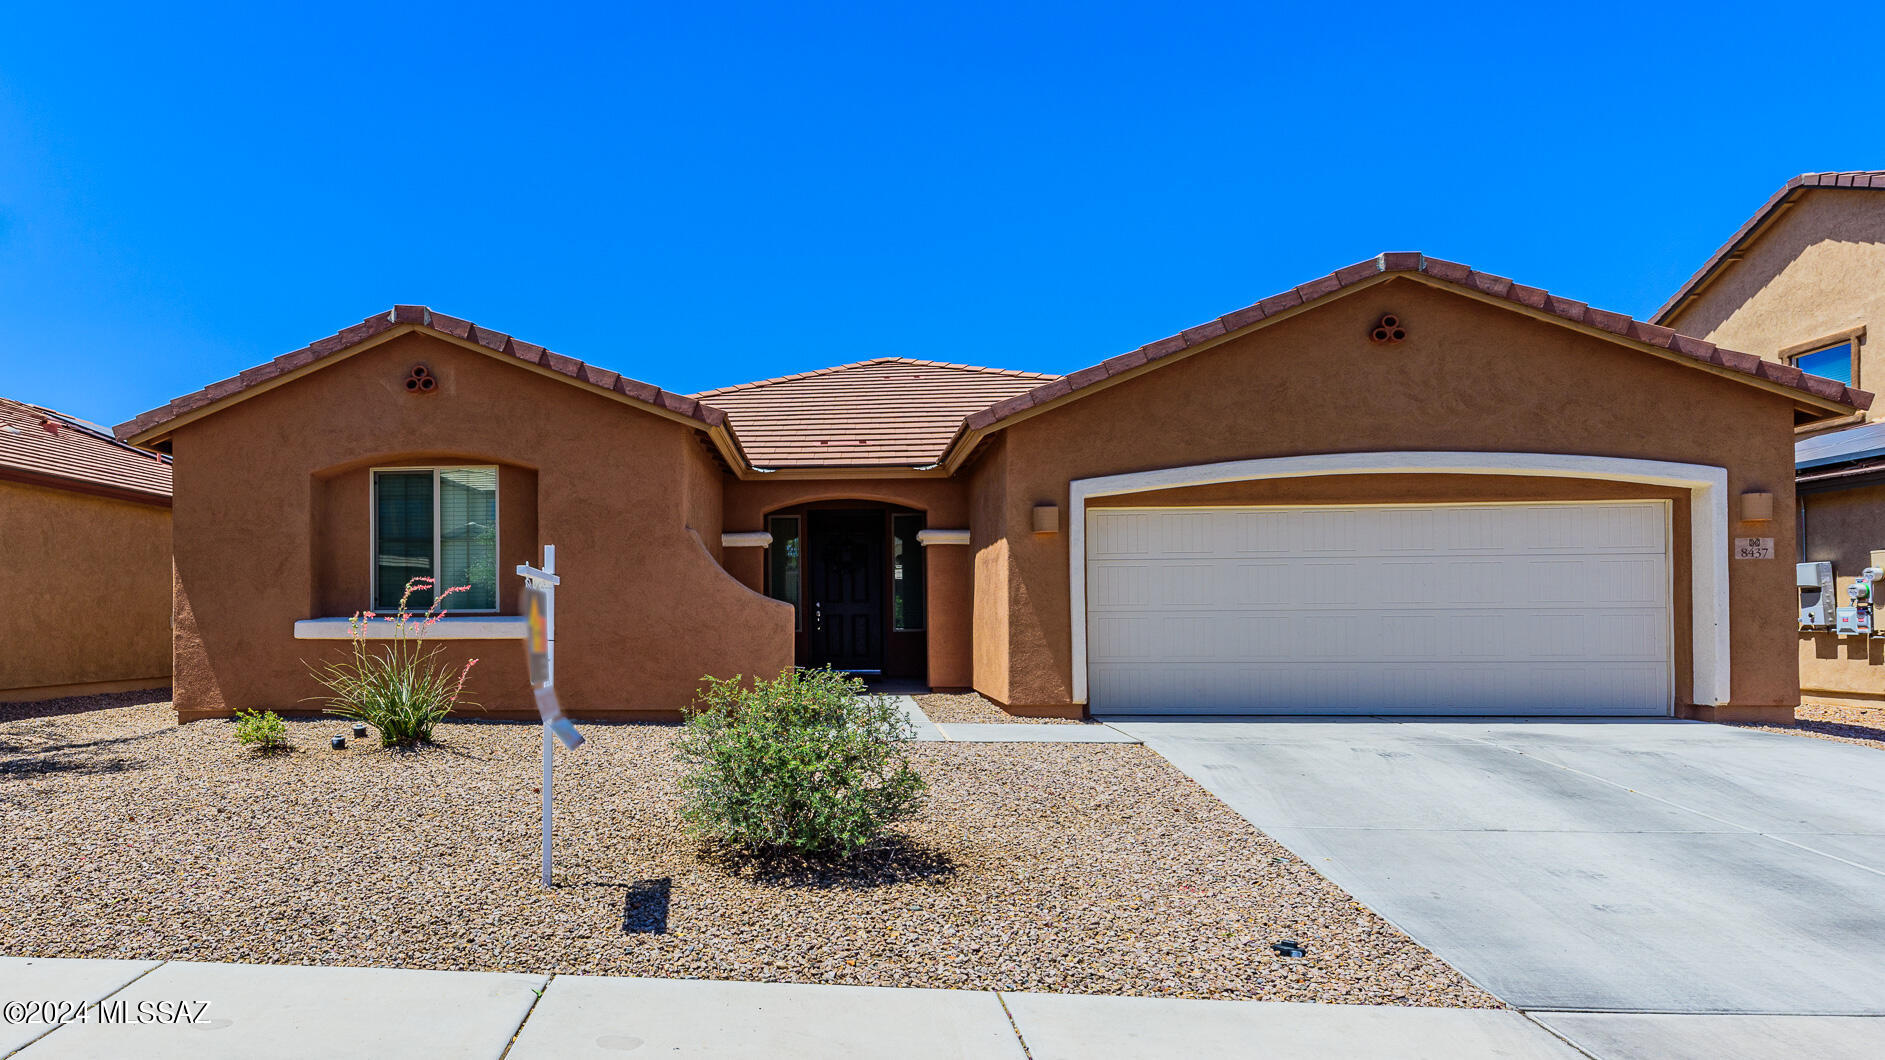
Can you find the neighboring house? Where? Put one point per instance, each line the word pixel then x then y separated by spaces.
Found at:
pixel 1803 283
pixel 1406 487
pixel 84 559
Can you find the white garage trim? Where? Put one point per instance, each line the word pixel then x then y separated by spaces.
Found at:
pixel 1708 524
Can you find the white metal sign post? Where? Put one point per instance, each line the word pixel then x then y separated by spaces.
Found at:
pixel 540 644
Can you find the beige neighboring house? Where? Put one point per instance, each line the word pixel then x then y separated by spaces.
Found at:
pixel 84 559
pixel 1803 283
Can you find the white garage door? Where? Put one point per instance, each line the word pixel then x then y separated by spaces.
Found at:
pixel 1454 609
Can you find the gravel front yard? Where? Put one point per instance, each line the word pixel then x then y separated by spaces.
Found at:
pixel 1073 868
pixel 1860 725
pixel 969 708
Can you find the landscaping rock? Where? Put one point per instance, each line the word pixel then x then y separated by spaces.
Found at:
pixel 1061 868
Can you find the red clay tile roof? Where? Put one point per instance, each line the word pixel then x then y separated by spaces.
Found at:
pixel 421 317
pixel 1450 274
pixel 886 412
pixel 41 445
pixel 1747 233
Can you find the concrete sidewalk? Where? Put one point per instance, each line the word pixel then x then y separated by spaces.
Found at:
pixel 150 1010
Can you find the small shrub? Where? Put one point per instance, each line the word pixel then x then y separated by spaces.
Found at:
pixel 396 687
pixel 803 764
pixel 261 730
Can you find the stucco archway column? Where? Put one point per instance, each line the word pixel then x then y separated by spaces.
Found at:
pixel 948 590
pixel 1707 487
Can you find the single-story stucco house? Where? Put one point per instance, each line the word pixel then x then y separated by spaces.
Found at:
pixel 1800 283
pixel 1406 487
pixel 84 559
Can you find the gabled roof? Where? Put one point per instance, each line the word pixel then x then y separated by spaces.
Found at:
pixel 150 428
pixel 1731 251
pixel 1822 396
pixel 51 448
pixel 884 412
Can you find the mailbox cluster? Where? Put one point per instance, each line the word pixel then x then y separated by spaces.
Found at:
pixel 1819 599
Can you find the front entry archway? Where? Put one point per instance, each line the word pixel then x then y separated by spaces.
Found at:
pixel 856 572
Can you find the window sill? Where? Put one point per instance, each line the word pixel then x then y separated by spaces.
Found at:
pixel 451 627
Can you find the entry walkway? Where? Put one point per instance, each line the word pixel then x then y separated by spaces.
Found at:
pixel 927 730
pixel 293 1013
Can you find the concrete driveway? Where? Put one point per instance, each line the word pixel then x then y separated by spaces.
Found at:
pixel 1585 866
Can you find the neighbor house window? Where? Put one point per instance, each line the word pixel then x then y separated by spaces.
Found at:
pixel 1833 362
pixel 906 573
pixel 438 523
pixel 782 562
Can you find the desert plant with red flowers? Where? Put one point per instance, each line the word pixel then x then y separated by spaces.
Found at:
pixel 394 682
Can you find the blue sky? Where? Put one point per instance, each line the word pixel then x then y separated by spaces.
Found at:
pixel 698 195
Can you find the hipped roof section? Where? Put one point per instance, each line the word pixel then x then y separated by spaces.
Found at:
pixel 795 420
pixel 1737 244
pixel 885 412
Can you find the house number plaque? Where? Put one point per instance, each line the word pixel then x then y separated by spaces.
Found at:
pixel 1754 548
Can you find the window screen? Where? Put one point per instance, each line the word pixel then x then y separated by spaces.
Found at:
pixel 468 536
pixel 402 509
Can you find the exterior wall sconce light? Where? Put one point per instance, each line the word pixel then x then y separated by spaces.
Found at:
pixel 1047 518
pixel 1757 507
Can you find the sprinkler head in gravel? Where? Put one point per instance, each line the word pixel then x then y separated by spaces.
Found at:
pixel 359 730
pixel 339 743
pixel 1287 948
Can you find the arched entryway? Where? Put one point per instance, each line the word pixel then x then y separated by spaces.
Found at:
pixel 855 571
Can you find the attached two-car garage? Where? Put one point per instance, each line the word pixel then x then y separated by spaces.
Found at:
pixel 1466 609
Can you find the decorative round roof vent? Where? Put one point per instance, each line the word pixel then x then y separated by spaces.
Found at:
pixel 1387 331
pixel 421 380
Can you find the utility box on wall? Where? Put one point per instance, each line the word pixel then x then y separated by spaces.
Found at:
pixel 1817 603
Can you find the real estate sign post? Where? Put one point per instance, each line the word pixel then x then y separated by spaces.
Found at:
pixel 540 645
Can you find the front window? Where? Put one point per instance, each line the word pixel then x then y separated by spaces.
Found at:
pixel 1832 362
pixel 906 573
pixel 438 523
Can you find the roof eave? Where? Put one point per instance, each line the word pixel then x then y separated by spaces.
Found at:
pixel 675 407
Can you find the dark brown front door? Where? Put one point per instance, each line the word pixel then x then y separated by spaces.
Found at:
pixel 845 562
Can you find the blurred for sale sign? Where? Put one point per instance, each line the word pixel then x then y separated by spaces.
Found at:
pixel 537 641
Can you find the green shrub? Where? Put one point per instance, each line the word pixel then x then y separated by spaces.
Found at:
pixel 804 764
pixel 396 687
pixel 261 730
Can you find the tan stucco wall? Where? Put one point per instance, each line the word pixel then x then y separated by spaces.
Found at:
pixel 87 600
pixel 1843 526
pixel 991 522
pixel 268 510
pixel 1818 270
pixel 1471 376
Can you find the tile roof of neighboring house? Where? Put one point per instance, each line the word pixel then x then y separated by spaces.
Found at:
pixel 885 412
pixel 1448 274
pixel 418 316
pixel 45 446
pixel 1747 233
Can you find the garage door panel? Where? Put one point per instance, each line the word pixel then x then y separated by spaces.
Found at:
pixel 1489 609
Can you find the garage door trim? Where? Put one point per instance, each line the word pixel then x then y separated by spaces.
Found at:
pixel 1706 484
